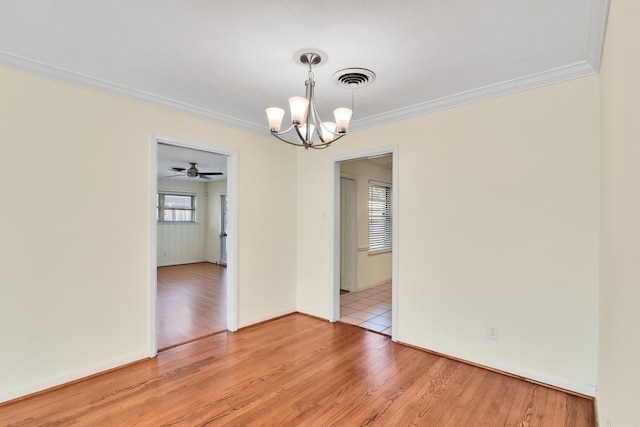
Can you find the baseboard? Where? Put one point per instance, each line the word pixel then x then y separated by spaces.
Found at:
pixel 185 263
pixel 69 377
pixel 524 374
pixel 265 317
pixel 373 285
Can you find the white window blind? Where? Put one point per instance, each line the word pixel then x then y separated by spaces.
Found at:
pixel 379 216
pixel 176 207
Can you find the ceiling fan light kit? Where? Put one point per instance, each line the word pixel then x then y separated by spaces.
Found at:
pixel 306 125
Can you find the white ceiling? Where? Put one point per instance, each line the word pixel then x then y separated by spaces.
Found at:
pixel 170 156
pixel 228 61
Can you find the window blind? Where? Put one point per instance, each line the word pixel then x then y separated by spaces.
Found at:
pixel 379 216
pixel 174 207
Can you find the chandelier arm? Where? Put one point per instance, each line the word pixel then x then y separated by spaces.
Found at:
pixel 325 144
pixel 313 111
pixel 282 132
pixel 316 117
pixel 303 143
pixel 297 144
pixel 300 135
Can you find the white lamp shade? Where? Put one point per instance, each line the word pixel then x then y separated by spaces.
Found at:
pixel 303 131
pixel 328 130
pixel 275 115
pixel 299 106
pixel 342 115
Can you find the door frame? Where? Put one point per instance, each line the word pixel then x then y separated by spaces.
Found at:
pixel 232 227
pixel 335 227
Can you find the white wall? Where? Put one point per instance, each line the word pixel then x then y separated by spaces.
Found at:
pixel 184 243
pixel 498 223
pixel 372 269
pixel 74 293
pixel 618 394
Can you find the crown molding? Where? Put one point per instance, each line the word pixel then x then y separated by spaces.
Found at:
pixel 598 16
pixel 88 82
pixel 598 13
pixel 568 72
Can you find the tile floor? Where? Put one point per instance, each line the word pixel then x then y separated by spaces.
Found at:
pixel 369 309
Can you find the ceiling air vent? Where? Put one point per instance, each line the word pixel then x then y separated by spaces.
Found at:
pixel 352 78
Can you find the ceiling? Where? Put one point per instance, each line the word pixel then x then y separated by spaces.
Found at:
pixel 170 156
pixel 228 61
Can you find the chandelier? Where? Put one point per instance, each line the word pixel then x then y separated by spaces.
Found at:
pixel 308 130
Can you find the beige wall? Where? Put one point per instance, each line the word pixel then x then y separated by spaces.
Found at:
pixel 74 294
pixel 183 243
pixel 372 269
pixel 498 223
pixel 618 394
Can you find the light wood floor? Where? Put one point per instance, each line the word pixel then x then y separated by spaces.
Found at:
pixel 192 302
pixel 300 371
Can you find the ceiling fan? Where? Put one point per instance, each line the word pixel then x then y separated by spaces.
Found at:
pixel 192 172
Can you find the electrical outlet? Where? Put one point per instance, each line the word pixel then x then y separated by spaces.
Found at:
pixel 492 332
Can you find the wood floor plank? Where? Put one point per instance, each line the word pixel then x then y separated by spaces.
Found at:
pixel 300 371
pixel 191 302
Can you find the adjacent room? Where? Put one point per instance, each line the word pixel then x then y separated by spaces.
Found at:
pixel 192 245
pixel 366 243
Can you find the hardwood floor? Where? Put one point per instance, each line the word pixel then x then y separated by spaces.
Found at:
pixel 192 302
pixel 300 371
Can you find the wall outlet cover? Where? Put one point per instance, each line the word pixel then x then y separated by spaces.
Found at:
pixel 492 332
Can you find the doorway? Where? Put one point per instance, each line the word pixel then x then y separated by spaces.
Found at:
pixel 183 249
pixel 372 302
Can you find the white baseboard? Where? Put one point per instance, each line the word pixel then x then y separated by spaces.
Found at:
pixel 170 264
pixel 537 377
pixel 373 285
pixel 243 323
pixel 57 380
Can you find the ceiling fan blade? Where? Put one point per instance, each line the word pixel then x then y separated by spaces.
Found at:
pixel 210 173
pixel 204 177
pixel 173 176
pixel 177 169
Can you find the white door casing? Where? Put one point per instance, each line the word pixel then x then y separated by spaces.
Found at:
pixel 232 227
pixel 334 289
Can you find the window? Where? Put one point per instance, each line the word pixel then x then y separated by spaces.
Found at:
pixel 174 207
pixel 379 217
